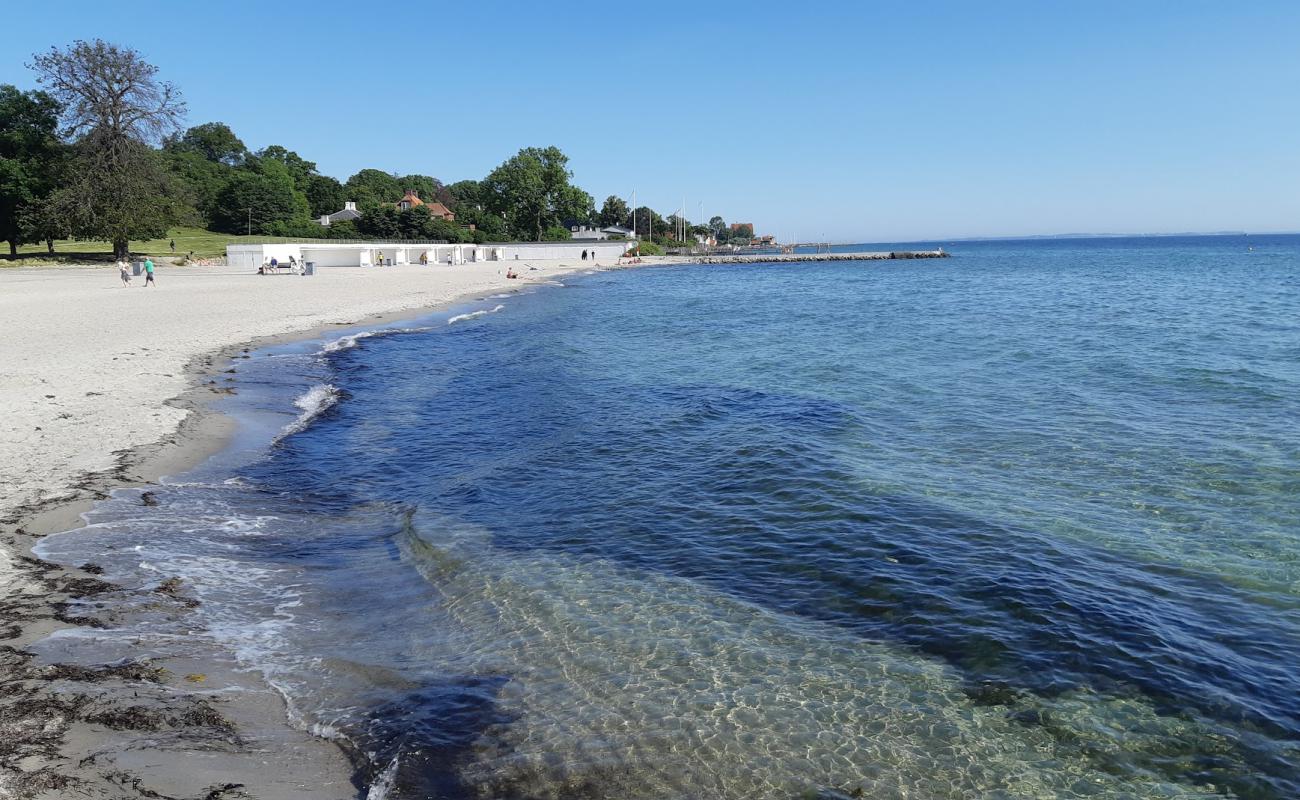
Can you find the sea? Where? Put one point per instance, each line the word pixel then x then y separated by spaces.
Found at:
pixel 1019 523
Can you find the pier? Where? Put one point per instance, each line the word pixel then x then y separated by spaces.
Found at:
pixel 888 255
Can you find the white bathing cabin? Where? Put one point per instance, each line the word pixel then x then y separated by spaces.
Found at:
pixel 369 254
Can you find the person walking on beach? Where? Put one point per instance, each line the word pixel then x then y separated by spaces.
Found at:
pixel 148 273
pixel 125 269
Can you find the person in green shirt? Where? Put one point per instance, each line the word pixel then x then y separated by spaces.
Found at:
pixel 148 272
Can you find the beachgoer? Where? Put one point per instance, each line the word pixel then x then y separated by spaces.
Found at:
pixel 424 258
pixel 510 273
pixel 148 273
pixel 173 246
pixel 125 268
pixel 584 255
pixel 275 262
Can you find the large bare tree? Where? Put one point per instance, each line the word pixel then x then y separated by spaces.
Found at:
pixel 115 108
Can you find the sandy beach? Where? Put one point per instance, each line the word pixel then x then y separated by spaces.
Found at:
pixel 104 386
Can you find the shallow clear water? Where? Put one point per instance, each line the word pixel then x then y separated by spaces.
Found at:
pixel 1021 523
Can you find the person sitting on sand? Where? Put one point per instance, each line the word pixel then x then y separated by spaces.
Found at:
pixel 510 273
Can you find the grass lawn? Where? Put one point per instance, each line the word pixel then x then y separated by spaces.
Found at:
pixel 204 243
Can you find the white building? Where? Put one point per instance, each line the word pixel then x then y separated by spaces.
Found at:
pixel 368 254
pixel 349 212
pixel 584 233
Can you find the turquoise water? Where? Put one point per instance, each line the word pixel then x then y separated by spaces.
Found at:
pixel 1019 523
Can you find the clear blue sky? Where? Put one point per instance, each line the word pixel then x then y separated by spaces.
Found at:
pixel 852 121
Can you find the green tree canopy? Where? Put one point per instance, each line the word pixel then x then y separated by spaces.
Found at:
pixel 254 203
pixel 214 141
pixel 130 197
pixel 373 186
pixel 296 167
pixel 325 195
pixel 532 190
pixel 465 193
pixel 30 156
pixel 614 212
pixel 200 179
pixel 645 217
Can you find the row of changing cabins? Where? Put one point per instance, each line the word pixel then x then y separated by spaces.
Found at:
pixel 370 254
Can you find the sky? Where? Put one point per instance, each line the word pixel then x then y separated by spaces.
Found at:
pixel 816 121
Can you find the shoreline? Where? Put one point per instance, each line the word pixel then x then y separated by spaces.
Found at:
pixel 79 735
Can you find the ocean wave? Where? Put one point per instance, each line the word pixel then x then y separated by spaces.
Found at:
pixel 350 341
pixel 314 402
pixel 383 782
pixel 474 314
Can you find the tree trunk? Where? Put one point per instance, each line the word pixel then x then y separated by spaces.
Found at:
pixel 49 244
pixel 13 247
pixel 121 248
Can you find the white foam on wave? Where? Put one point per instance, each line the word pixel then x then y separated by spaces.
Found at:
pixel 474 314
pixel 350 341
pixel 383 782
pixel 314 402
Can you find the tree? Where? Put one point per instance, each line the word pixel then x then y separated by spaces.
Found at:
pixel 717 225
pixel 574 205
pixel 128 197
pixel 298 168
pixel 254 203
pixel 614 212
pixel 30 156
pixel 114 106
pixel 200 180
pixel 214 141
pixel 325 195
pixel 678 226
pixel 465 194
pixel 373 186
pixel 647 221
pixel 415 223
pixel 379 221
pixel 529 189
pixel 283 173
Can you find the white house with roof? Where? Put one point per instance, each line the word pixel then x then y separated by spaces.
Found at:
pixel 349 212
pixel 586 233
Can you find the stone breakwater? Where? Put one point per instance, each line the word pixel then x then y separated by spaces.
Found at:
pixel 768 259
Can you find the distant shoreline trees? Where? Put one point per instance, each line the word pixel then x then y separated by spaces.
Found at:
pixel 98 154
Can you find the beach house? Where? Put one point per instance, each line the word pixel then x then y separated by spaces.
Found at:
pixel 586 233
pixel 437 210
pixel 349 212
